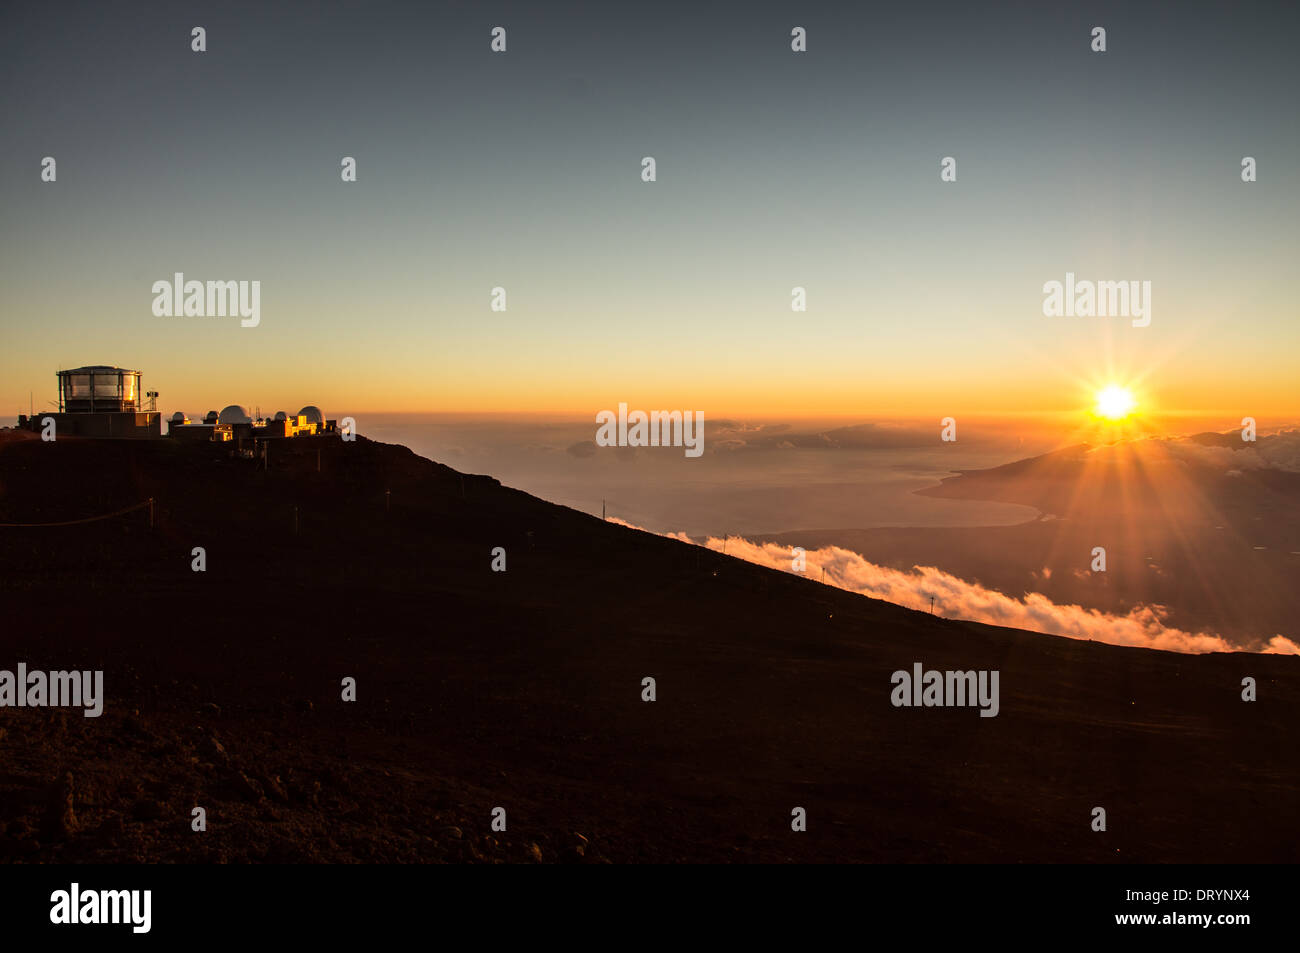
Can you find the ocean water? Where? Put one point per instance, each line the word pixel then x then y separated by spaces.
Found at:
pixel 746 483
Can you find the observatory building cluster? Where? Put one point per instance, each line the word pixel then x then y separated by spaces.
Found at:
pixel 234 423
pixel 100 400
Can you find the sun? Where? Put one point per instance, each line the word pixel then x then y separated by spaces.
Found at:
pixel 1114 402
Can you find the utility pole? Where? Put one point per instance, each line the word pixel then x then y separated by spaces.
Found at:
pixel 602 510
pixel 932 605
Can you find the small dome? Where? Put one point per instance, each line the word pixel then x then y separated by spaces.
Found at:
pixel 234 414
pixel 210 417
pixel 313 414
pixel 178 417
pixel 281 415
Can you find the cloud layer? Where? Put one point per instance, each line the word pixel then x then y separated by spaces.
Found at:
pixel 956 598
pixel 1280 451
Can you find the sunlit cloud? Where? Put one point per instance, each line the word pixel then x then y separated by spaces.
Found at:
pixel 1143 626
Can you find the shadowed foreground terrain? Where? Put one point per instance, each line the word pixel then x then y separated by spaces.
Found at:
pixel 523 689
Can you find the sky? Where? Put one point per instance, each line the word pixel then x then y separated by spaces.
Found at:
pixel 775 169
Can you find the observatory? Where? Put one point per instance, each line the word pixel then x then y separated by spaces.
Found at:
pixel 100 400
pixel 99 388
pixel 235 423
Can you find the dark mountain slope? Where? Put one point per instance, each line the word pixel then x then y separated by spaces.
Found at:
pixel 523 689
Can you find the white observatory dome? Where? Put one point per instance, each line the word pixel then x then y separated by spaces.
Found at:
pixel 234 414
pixel 313 415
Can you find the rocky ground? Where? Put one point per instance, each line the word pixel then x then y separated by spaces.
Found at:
pixel 522 689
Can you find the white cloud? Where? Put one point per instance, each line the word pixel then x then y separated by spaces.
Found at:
pixel 956 598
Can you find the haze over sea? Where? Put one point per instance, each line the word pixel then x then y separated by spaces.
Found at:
pixel 754 477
